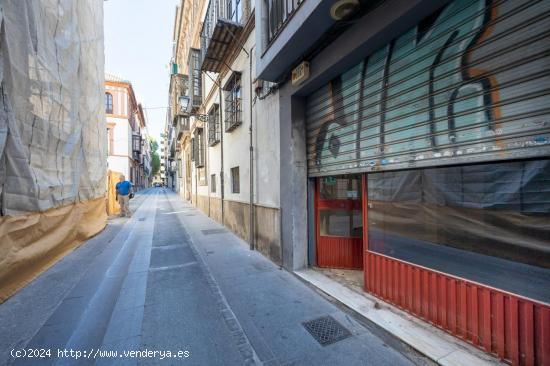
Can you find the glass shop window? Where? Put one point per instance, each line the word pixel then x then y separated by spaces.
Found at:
pixel 489 223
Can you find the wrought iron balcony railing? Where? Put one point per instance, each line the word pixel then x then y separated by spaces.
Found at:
pixel 179 86
pixel 220 30
pixel 182 126
pixel 279 13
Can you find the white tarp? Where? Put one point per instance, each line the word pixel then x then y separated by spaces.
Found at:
pixel 52 119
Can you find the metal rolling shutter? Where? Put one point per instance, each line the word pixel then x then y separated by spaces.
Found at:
pixel 468 84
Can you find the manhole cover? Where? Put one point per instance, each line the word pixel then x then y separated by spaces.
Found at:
pixel 213 231
pixel 141 219
pixel 326 330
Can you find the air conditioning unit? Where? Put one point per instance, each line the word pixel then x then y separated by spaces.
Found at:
pixel 300 73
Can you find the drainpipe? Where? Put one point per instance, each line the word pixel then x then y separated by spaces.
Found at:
pixel 221 149
pixel 207 169
pixel 252 224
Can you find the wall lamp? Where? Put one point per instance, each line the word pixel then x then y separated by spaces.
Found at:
pixel 184 102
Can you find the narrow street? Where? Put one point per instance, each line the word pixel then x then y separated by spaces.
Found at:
pixel 180 289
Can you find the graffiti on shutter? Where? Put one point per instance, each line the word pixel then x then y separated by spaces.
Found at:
pixel 470 83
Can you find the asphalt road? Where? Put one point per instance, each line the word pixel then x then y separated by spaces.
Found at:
pixel 162 288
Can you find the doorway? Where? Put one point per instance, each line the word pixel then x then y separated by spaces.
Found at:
pixel 339 222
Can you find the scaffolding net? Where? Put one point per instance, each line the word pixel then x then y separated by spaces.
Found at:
pixel 52 135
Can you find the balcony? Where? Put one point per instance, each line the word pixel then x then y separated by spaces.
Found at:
pixel 179 85
pixel 136 146
pixel 280 12
pixel 221 28
pixel 182 126
pixel 289 29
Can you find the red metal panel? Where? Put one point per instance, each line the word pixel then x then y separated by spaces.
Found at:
pixel 526 334
pixel 433 300
pixel 513 319
pixel 417 293
pixel 542 324
pixel 513 328
pixel 425 295
pixel 340 252
pixel 410 288
pixel 443 300
pixel 403 287
pixel 463 310
pixel 474 314
pixel 452 306
pixel 486 319
pixel 379 275
pixel 499 325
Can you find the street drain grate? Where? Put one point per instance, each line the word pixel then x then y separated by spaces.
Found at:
pixel 326 330
pixel 141 219
pixel 213 231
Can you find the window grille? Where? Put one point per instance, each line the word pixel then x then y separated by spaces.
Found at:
pixel 233 102
pixel 195 77
pixel 199 148
pixel 214 130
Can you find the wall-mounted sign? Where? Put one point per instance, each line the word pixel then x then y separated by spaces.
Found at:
pixel 300 73
pixel 329 181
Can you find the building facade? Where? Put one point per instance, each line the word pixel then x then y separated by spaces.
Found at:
pixel 52 137
pixel 407 141
pixel 224 157
pixel 128 141
pixel 415 137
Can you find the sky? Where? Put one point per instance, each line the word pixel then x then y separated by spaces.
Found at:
pixel 138 48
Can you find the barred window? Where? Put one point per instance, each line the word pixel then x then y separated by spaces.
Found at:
pixel 199 149
pixel 233 108
pixel 214 129
pixel 195 77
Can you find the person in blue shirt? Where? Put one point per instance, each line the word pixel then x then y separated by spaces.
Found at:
pixel 123 190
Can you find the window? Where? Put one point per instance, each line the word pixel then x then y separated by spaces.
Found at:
pixel 214 125
pixel 279 13
pixel 235 180
pixel 108 103
pixel 341 214
pixel 233 113
pixel 213 183
pixel 199 147
pixel 136 142
pixel 472 221
pixel 235 10
pixel 195 77
pixel 193 149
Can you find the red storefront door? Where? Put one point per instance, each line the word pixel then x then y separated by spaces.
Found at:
pixel 339 224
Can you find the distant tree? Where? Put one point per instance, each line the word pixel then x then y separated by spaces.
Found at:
pixel 155 159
